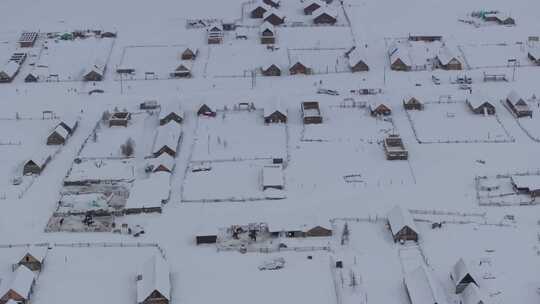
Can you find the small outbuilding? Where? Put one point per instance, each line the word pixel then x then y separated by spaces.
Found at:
pixel 357 60
pixel 205 239
pixel 271 69
pixel 447 60
pixel 267 33
pixel 325 15
pixel 189 53
pixel 170 112
pixel 206 110
pixel 526 184
pixel 154 282
pixel 518 105
pixel 480 105
pixel 311 113
pixel 259 10
pixel 412 103
pixel 58 136
pixel 21 288
pixel 274 17
pixel 401 224
pixel 274 114
pixel 34 258
pixel 379 109
pixel 300 68
pixel 37 163
pixel 534 55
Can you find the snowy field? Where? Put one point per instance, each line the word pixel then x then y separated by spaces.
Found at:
pixel 69 60
pixel 233 60
pixel 265 287
pixel 321 61
pixel 315 37
pixel 224 137
pixel 499 54
pixel 449 122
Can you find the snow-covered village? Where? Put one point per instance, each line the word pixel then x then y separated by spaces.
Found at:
pixel 317 151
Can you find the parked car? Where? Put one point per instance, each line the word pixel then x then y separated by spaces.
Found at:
pixel 327 92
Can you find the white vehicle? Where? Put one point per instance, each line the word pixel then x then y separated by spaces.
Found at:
pixel 328 92
pixel 273 264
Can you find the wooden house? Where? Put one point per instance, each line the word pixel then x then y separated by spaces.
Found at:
pixel 412 103
pixel 325 15
pixel 205 110
pixel 318 231
pixel 21 288
pixel 58 136
pixel 189 53
pixel 27 39
pixel 274 17
pixel 400 59
pixel 533 54
pixel 96 72
pixel 119 119
pixel 9 71
pixel 311 113
pixel 163 163
pixel 267 33
pixel 472 295
pixel 259 10
pixel 518 105
pixel 480 105
pixel 394 149
pixel 447 60
pixel 462 276
pixel 171 112
pixel 357 60
pixel 312 6
pixel 270 69
pixel 526 184
pixel 34 258
pixel 154 282
pixel 274 114
pixel 31 77
pixel 299 68
pixel 215 34
pixel 183 70
pixel 499 18
pixel 167 140
pixel 37 163
pixel 401 224
pixel 379 109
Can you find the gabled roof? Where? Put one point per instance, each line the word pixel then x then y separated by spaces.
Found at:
pixel 10 69
pixel 460 271
pixel 446 55
pixel 472 295
pixel 61 131
pixel 400 54
pixel 163 160
pixel 98 67
pixel 23 281
pixel 167 135
pixel 267 26
pixel 326 10
pixel 356 56
pixel 534 52
pixel 531 182
pixel 273 106
pixel 515 99
pixel 184 65
pixel 155 277
pixel 273 11
pixel 477 100
pixel 38 252
pixel 421 287
pixel 314 2
pixel 398 218
pixel 40 157
pixel 215 27
pixel 170 107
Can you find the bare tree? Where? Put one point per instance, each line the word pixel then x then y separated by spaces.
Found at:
pixel 345 235
pixel 128 148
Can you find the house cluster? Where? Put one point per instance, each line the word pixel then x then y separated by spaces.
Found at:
pixel 58 136
pixel 268 11
pixel 260 232
pixel 322 12
pixel 12 67
pixel 420 53
pixel 153 282
pixel 498 18
pixel 25 271
pixel 480 104
pixel 299 66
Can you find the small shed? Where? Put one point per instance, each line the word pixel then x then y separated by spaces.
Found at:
pixel 300 68
pixel 31 77
pixel 37 163
pixel 189 53
pixel 167 140
pixel 472 295
pixel 325 15
pixel 379 109
pixel 400 60
pixel 272 177
pixel 182 70
pixel 154 282
pixel 34 258
pixel 274 17
pixel 518 105
pixel 58 136
pixel 267 33
pixel 119 119
pixel 357 60
pixel 462 276
pixel 171 112
pixel 271 69
pixel 206 110
pixel 9 71
pixel 402 225
pixel 311 113
pixel 526 184
pixel 480 105
pixel 412 103
pixel 206 239
pixel 447 60
pixel 21 288
pixel 96 72
pixel 163 163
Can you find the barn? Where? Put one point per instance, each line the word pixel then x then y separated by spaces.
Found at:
pixel 58 136
pixel 318 231
pixel 447 60
pixel 325 15
pixel 21 288
pixel 162 163
pixel 299 68
pixel 412 103
pixel 357 61
pixel 170 112
pixel 526 184
pixel 518 105
pixel 189 53
pixel 274 17
pixel 267 33
pixel 480 105
pixel 462 276
pixel 34 258
pixel 312 6
pixel 401 224
pixel 37 163
pixel 270 69
pixel 96 72
pixel 154 282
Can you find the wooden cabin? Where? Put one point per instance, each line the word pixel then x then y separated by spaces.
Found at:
pixel 34 258
pixel 205 110
pixel 259 10
pixel 299 68
pixel 274 17
pixel 58 136
pixel 379 109
pixel 271 70
pixel 462 276
pixel 401 224
pixel 312 6
pixel 318 231
pixel 267 33
pixel 325 15
pixel 412 103
pixel 37 163
pixel 274 115
pixel 518 105
pixel 480 105
pixel 189 53
pixel 153 282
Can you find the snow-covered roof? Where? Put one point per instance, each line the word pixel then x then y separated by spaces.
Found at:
pixel 60 130
pixel 460 270
pixel 10 69
pixel 155 277
pixel 328 10
pixel 98 66
pixel 273 11
pixel 167 135
pixel 472 295
pixel 272 106
pixel 38 252
pixel 446 55
pixel 170 107
pixel 184 65
pixel 69 121
pixel 401 54
pixel 140 197
pixel 267 26
pixel 421 287
pixel 314 2
pixel 399 218
pixel 164 159
pixel 515 99
pixel 476 100
pixel 531 182
pixel 272 175
pixel 23 281
pixel 40 157
pixel 534 52
pixel 356 56
pixel 215 27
